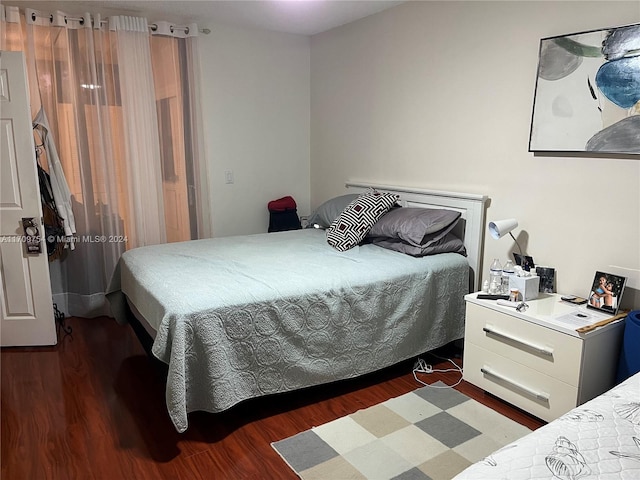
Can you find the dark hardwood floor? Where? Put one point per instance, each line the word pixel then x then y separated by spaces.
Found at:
pixel 93 407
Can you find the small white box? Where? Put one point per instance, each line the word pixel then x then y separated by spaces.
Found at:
pixel 527 286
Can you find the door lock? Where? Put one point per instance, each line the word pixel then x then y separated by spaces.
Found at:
pixel 33 241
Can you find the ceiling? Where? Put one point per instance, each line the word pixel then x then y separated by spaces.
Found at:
pixel 305 17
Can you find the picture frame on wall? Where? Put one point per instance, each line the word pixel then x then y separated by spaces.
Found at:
pixel 587 93
pixel 606 292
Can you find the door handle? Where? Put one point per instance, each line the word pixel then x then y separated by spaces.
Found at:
pixel 32 238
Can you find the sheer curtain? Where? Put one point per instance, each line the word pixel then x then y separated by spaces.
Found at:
pixel 140 129
pixel 174 55
pixel 127 138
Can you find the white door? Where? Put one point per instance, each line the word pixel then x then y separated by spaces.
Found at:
pixel 26 309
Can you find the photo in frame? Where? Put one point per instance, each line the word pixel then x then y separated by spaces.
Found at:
pixel 606 292
pixel 525 261
pixel 587 93
pixel 547 279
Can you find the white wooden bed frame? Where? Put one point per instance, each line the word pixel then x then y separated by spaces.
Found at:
pixel 471 206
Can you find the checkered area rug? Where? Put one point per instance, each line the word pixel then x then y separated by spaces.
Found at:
pixel 430 433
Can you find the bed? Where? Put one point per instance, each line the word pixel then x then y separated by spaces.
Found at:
pixel 241 317
pixel 599 439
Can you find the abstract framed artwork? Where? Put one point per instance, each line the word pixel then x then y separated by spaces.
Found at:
pixel 587 95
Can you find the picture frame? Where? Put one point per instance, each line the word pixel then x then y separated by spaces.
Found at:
pixel 587 92
pixel 525 261
pixel 547 279
pixel 606 292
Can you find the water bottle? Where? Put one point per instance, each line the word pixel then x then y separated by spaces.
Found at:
pixel 507 272
pixel 495 277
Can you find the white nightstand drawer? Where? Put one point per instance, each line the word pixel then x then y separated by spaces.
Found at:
pixel 542 395
pixel 551 353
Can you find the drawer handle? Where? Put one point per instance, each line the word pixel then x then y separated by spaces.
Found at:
pixel 543 397
pixel 531 346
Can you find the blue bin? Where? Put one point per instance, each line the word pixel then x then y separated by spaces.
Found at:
pixel 630 355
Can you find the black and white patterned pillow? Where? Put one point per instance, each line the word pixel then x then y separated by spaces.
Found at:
pixel 355 221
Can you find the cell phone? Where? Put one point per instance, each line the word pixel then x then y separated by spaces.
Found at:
pixel 573 299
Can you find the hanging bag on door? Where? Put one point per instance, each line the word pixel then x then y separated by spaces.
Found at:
pixel 53 223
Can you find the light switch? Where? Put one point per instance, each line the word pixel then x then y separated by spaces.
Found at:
pixel 228 176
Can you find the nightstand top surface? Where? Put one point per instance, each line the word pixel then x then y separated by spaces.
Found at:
pixel 550 311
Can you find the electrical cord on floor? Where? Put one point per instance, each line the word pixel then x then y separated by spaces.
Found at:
pixel 423 367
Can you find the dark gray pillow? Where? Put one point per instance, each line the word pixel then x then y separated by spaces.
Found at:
pixel 326 213
pixel 416 226
pixel 446 244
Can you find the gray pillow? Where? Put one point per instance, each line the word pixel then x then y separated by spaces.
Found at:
pixel 447 244
pixel 415 226
pixel 326 213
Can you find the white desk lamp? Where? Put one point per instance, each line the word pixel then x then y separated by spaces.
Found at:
pixel 499 228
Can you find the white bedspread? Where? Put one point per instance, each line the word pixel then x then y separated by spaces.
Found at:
pixel 241 317
pixel 597 440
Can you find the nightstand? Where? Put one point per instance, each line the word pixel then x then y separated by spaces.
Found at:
pixel 535 359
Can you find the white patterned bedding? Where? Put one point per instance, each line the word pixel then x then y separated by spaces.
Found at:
pixel 597 440
pixel 241 317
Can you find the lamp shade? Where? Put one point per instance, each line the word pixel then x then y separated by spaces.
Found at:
pixel 500 228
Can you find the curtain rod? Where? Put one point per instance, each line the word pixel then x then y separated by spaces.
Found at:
pixel 77 19
pixel 152 26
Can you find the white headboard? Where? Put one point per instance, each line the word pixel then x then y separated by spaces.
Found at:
pixel 470 205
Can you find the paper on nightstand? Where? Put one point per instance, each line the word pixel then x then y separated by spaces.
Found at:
pixel 578 318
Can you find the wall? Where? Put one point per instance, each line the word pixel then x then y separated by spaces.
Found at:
pixel 439 95
pixel 255 100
